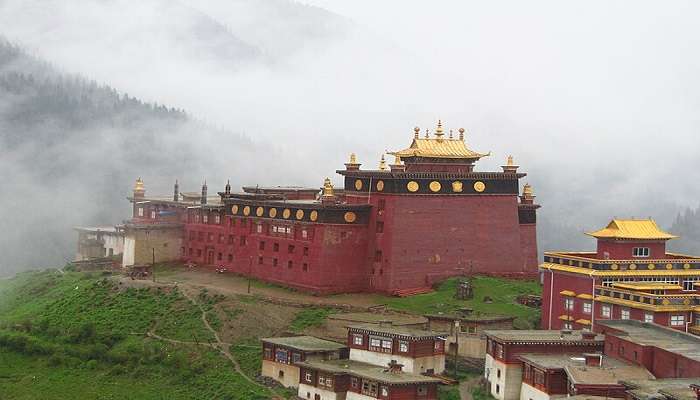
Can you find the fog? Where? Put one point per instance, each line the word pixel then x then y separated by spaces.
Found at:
pixel 597 101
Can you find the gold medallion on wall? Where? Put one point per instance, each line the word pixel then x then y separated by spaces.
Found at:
pixel 479 186
pixel 614 267
pixel 300 214
pixel 234 209
pixel 246 210
pixel 457 187
pixel 686 266
pixel 313 216
pixel 651 266
pixel 286 213
pixel 350 217
pixel 412 186
pixel 358 184
pixel 380 186
pixel 669 266
pixel 633 266
pixel 259 211
pixel 272 213
pixel 435 186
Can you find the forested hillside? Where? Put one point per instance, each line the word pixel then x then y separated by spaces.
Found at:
pixel 70 148
pixel 687 226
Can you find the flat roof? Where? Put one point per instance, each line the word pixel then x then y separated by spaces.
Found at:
pixel 649 389
pixel 544 336
pixel 611 373
pixel 649 334
pixel 646 286
pixel 398 331
pixel 368 317
pixel 368 371
pixel 305 343
pixel 471 317
pixel 106 229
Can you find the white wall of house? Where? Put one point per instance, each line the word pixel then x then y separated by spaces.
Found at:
pixel 357 396
pixel 528 392
pixel 309 392
pixel 115 242
pixel 129 251
pixel 412 365
pixel 505 385
pixel 290 373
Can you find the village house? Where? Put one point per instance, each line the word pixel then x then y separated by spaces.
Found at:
pixel 469 328
pixel 418 351
pixel 282 355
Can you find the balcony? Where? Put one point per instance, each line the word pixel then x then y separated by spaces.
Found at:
pixel 654 302
pixel 586 262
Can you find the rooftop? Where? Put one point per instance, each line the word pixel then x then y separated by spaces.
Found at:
pixel 649 389
pixel 305 343
pixel 646 286
pixel 541 336
pixel 611 372
pixel 472 317
pixel 398 331
pixel 396 319
pixel 648 334
pixel 438 146
pixel 369 371
pixel 108 229
pixel 640 229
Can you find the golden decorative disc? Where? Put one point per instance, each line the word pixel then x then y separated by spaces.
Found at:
pixel 350 217
pixel 457 187
pixel 651 266
pixel 272 212
pixel 246 210
pixel 686 302
pixel 686 266
pixel 412 186
pixel 614 267
pixel 300 214
pixel 669 266
pixel 286 213
pixel 666 302
pixel 380 186
pixel 435 186
pixel 479 186
pixel 259 211
pixel 234 209
pixel 358 184
pixel 633 266
pixel 314 215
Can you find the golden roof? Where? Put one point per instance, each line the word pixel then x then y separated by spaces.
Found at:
pixel 646 286
pixel 643 229
pixel 439 147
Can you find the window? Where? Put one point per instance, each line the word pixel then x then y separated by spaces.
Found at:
pixel 354 382
pixel 625 313
pixel 381 205
pixel 689 284
pixel 308 377
pixel 275 247
pixel 648 317
pixel 258 228
pixel 205 219
pixel 305 267
pixel 677 320
pixel 230 239
pixel 196 218
pixel 210 237
pixel 268 353
pixel 290 264
pixel 140 211
pixel 260 260
pixel 605 311
pixel 498 373
pixel 282 356
pixel 386 345
pixel 369 388
pixel 306 251
pixel 587 307
pixel 219 257
pixel 274 262
pixel 290 249
pixel 385 391
pixel 374 342
pixel 378 256
pixel 230 257
pixel 304 234
pixel 640 252
pixel 438 346
pixel 261 245
pixel 380 226
pixel 569 304
pixel 567 325
pixel 153 215
pixel 357 340
pixel 217 219
pixel 242 241
pixel 403 346
pixel 498 389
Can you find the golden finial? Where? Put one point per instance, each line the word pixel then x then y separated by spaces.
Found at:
pixel 438 130
pixel 382 164
pixel 353 158
pixel 397 159
pixel 450 133
pixel 510 161
pixel 461 133
pixel 416 131
pixel 327 188
pixel 139 185
pixel 427 133
pixel 527 191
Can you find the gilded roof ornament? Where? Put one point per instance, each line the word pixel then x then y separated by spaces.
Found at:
pixel 139 187
pixel 509 162
pixel 527 190
pixel 438 130
pixel 438 147
pixel 382 164
pixel 427 133
pixel 353 158
pixel 416 132
pixel 328 188
pixel 461 133
pixel 450 133
pixel 640 229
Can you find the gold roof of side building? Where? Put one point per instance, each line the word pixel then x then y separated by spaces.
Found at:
pixel 642 229
pixel 439 147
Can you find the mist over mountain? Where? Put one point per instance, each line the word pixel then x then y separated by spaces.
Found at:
pixel 70 148
pixel 687 226
pixel 602 119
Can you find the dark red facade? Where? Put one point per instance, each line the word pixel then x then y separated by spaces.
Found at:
pixel 406 226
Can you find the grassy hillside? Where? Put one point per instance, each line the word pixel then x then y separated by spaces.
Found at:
pixel 79 336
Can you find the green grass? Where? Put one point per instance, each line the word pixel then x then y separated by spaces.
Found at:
pixel 77 336
pixel 480 394
pixel 502 291
pixel 448 392
pixel 309 318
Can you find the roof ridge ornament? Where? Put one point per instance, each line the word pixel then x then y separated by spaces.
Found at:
pixel 382 164
pixel 438 131
pixel 461 134
pixel 416 132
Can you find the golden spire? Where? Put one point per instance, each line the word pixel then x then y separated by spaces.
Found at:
pixel 527 191
pixel 427 133
pixel 450 133
pixel 353 158
pixel 139 185
pixel 416 131
pixel 328 188
pixel 382 164
pixel 461 133
pixel 438 130
pixel 509 162
pixel 397 159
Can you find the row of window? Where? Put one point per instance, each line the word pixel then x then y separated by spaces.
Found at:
pixel 688 283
